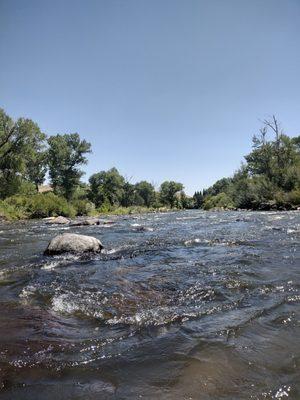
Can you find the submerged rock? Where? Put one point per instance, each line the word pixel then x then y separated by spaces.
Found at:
pixel 143 229
pixel 86 222
pixel 91 221
pixel 58 220
pixel 73 243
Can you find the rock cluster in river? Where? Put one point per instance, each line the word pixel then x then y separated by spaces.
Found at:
pixel 58 220
pixel 73 243
pixel 77 222
pixel 86 222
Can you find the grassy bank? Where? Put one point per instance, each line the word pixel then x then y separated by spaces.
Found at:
pixel 51 205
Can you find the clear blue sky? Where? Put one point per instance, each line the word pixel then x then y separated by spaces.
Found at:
pixel 163 89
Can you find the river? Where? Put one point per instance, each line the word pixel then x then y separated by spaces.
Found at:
pixel 181 305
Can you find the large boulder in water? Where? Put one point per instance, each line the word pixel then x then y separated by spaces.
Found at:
pixel 73 243
pixel 58 220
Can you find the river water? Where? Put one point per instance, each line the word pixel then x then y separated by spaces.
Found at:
pixel 182 305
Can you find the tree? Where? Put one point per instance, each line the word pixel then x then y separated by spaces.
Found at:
pixel 36 168
pixel 260 160
pixel 107 186
pixel 66 153
pixel 168 190
pixel 274 159
pixel 221 200
pixel 185 201
pixel 146 191
pixel 218 187
pixel 198 199
pixel 21 144
pixel 128 198
pixel 296 143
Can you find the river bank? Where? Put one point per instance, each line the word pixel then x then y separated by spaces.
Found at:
pixel 120 211
pixel 26 210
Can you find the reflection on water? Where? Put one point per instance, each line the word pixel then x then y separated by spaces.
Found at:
pixel 185 305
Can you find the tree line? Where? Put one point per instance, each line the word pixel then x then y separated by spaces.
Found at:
pixel 268 178
pixel 28 156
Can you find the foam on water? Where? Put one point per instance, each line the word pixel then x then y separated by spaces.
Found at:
pixel 60 261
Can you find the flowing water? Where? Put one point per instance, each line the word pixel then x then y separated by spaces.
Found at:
pixel 183 305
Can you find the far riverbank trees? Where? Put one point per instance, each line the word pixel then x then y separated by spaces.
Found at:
pixel 28 158
pixel 268 179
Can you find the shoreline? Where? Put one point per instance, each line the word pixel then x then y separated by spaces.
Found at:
pixel 125 212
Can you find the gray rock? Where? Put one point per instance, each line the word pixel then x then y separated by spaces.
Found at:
pixel 86 222
pixel 59 220
pixel 73 243
pixel 143 229
pixel 106 222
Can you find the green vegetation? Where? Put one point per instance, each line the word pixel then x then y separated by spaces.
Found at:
pixel 65 154
pixel 27 156
pixel 220 200
pixel 269 178
pixel 168 192
pixel 21 154
pixel 36 206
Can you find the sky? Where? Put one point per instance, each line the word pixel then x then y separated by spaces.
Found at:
pixel 163 89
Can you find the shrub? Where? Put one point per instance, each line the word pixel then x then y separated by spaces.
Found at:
pixel 84 207
pixel 10 211
pixel 37 206
pixel 105 207
pixel 294 197
pixel 48 205
pixel 221 200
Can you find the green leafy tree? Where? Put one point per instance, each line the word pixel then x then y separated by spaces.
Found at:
pixel 271 172
pixel 128 197
pixel 65 156
pixel 221 200
pixel 185 201
pixel 260 160
pixel 107 186
pixel 168 191
pixel 275 159
pixel 37 167
pixel 198 199
pixel 219 186
pixel 21 145
pixel 296 143
pixel 146 191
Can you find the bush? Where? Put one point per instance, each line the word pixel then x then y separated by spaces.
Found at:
pixel 125 210
pixel 251 192
pixel 105 207
pixel 10 212
pixel 294 197
pixel 37 206
pixel 48 205
pixel 221 200
pixel 84 207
